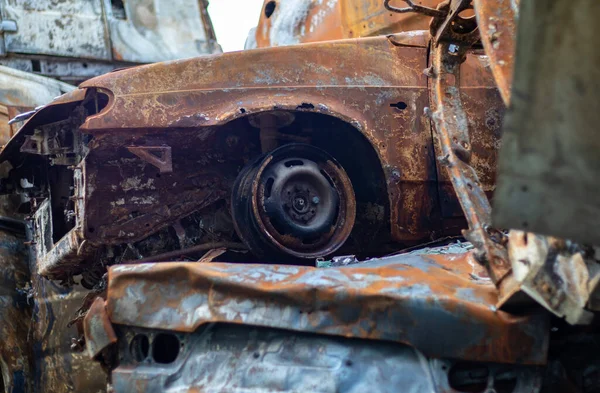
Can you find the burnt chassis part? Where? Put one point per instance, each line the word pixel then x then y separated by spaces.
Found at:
pixel 396 139
pixel 395 303
pixel 449 47
pixel 16 370
pixel 561 276
pixel 35 350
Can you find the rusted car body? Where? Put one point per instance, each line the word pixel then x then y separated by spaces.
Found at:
pixel 36 350
pixel 275 162
pixel 401 197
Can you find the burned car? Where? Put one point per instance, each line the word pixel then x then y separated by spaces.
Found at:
pixel 263 220
pixel 74 40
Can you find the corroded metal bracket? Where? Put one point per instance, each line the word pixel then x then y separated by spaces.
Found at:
pixel 163 161
pixel 559 275
pixel 448 51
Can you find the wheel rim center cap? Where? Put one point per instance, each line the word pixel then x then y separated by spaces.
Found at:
pixel 300 204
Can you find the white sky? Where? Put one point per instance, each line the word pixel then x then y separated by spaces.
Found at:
pixel 232 19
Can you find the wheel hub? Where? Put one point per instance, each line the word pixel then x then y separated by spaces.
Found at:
pixel 296 200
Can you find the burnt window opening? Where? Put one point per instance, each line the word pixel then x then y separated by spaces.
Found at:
pixel 118 9
pixel 270 8
pixel 36 66
pixel 165 348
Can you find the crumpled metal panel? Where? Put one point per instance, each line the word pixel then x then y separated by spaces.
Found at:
pixel 549 163
pixel 554 273
pixel 239 359
pixel 435 303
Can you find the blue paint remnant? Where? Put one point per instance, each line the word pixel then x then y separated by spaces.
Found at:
pixel 469 295
pixel 18 381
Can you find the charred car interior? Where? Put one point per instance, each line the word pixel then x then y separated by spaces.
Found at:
pixel 312 217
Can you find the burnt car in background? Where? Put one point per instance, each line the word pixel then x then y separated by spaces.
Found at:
pixel 70 41
pixel 273 161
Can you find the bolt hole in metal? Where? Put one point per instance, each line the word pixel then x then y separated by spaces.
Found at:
pixel 139 347
pixel 270 8
pixel 401 105
pixel 165 348
pixel 296 201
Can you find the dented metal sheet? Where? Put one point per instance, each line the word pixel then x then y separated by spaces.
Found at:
pixel 147 31
pixel 136 31
pixel 404 298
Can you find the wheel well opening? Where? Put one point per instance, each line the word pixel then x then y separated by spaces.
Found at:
pixel 354 152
